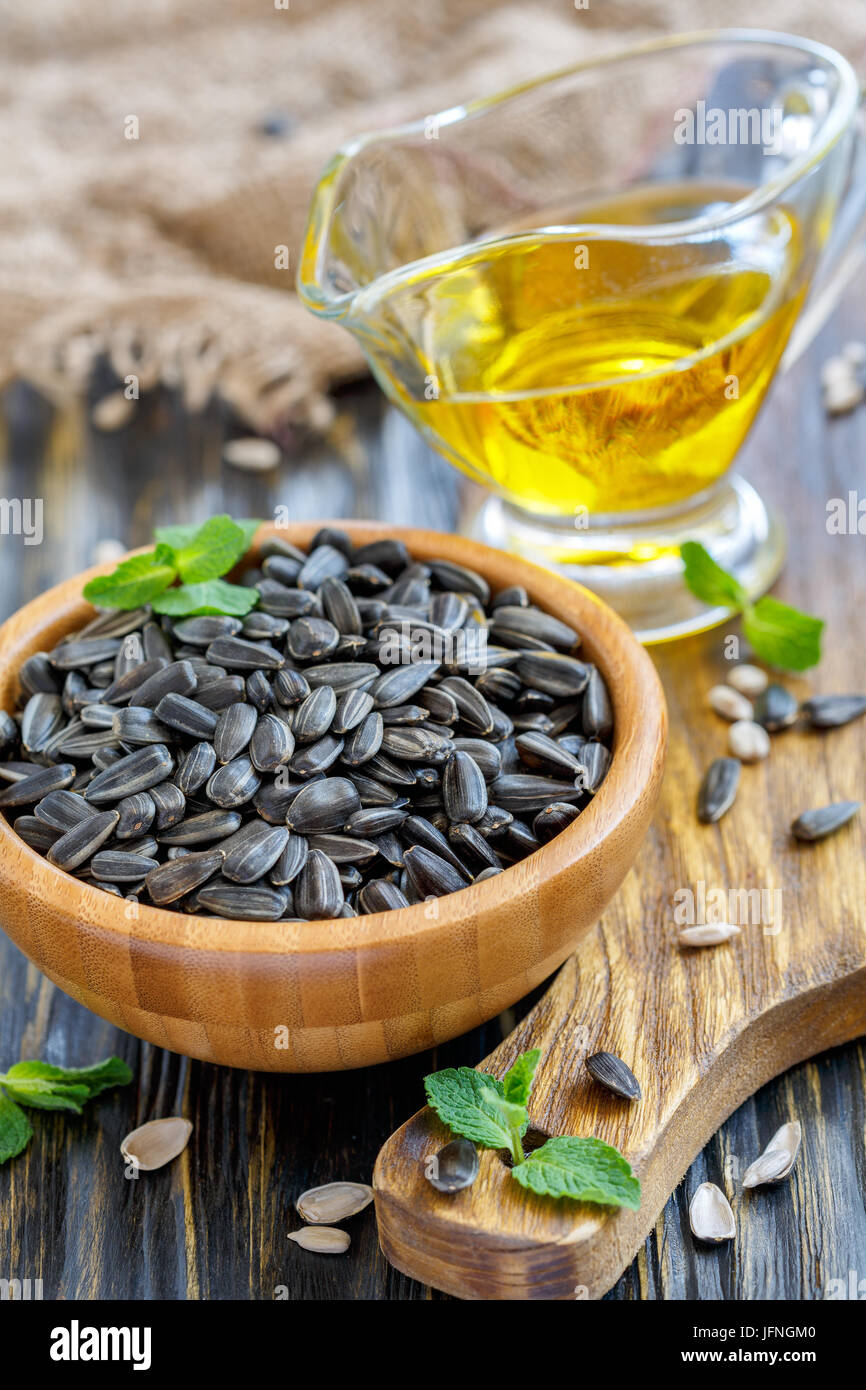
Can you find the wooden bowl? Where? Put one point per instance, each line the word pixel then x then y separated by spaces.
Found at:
pixel 325 996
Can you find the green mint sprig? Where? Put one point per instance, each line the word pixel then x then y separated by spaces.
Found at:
pixel 782 636
pixel 43 1086
pixel 197 556
pixel 494 1115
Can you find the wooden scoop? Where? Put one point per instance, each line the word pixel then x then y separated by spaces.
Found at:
pixel 702 1029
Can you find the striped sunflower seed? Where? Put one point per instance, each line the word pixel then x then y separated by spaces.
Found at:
pixel 415 745
pixel 558 675
pixel 41 719
pixel 36 833
pixel 832 711
pixel 197 830
pixel 137 772
pixel 611 1072
pixel 342 675
pixel 170 804
pixel 140 726
pixel 316 757
pixel 218 694
pixel 365 741
pixel 234 784
pixel 292 859
pixel 380 895
pixel 318 890
pixel 200 632
pixel 119 866
pixel 238 654
pixel 195 768
pixel 28 790
pixel 63 810
pixel 597 709
pixel 241 903
pixel 464 790
pixel 555 818
pixel 272 743
pixel 542 752
pixel 178 678
pixel 519 792
pixel 77 845
pixel 431 874
pixel 533 623
pixel 824 821
pixel 776 709
pixel 187 716
pixel 718 789
pixel 398 686
pixel 253 851
pixel 344 849
pixel 136 815
pixel 234 729
pixel 322 806
pixel 313 717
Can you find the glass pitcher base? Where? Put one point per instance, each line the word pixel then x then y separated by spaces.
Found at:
pixel 635 566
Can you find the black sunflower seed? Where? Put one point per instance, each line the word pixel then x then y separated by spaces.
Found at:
pixel 315 758
pixel 168 882
pixel 541 751
pixel 374 820
pixel 318 890
pixel 234 729
pixel 342 675
pixel 28 790
pixel 187 716
pixel 464 790
pixel 170 804
pixel 399 685
pixel 611 1071
pixel 562 676
pixel 380 895
pixel 139 726
pixel 817 824
pixel 344 849
pixel 325 562
pixel 292 859
pixel 253 851
pixel 416 745
pixel 77 845
pixel 200 632
pixel 234 784
pixel 37 674
pixel 119 866
pixel 91 651
pixel 63 810
pixel 272 743
pixel 237 654
pixel 832 711
pixel 197 830
pixel 36 833
pixel 136 815
pixel 534 624
pixel 195 768
pixel 486 755
pixel 312 718
pixel 177 678
pixel 520 791
pixel 364 742
pixel 217 695
pixel 241 903
pixel 321 806
pixel 718 789
pixel 553 820
pixel 775 708
pixel 352 708
pixel 431 874
pixel 259 691
pixel 40 721
pixel 595 759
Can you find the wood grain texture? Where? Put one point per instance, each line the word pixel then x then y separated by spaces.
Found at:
pixel 331 995
pixel 213 1225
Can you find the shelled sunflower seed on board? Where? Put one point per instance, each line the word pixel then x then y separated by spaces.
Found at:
pixel 375 732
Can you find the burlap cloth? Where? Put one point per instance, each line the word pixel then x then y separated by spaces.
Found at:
pixel 160 250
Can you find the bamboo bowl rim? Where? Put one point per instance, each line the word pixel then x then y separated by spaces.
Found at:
pixel 640 733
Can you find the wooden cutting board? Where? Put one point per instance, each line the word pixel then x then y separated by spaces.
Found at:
pixel 701 1030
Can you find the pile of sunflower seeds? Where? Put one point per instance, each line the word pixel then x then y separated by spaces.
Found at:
pixel 376 732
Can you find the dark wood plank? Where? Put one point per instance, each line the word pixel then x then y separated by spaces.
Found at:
pixel 214 1225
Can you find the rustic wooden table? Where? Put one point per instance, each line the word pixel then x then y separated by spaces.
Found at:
pixel 214 1225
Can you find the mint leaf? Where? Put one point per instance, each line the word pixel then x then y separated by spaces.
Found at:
pixel 213 596
pixel 180 536
pixel 102 1075
pixel 587 1170
pixel 15 1129
pixel 708 581
pixel 48 1095
pixel 457 1096
pixel 43 1086
pixel 779 634
pixel 135 581
pixel 782 635
pixel 212 551
pixel 517 1083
